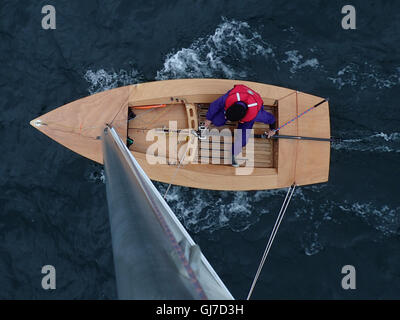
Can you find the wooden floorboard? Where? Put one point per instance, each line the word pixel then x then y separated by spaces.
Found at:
pixel 262 153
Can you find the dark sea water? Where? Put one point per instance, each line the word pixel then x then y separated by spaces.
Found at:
pixel 53 206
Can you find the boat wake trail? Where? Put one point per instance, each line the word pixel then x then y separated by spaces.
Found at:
pixel 232 51
pixel 364 76
pixel 297 61
pixel 382 218
pixel 318 216
pixel 310 217
pixel 209 211
pixel 214 55
pixel 102 80
pixel 379 142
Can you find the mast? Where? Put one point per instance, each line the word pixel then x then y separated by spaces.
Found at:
pixel 154 256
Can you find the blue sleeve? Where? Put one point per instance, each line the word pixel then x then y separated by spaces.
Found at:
pixel 265 117
pixel 216 106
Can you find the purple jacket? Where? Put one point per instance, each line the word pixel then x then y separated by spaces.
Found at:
pixel 216 114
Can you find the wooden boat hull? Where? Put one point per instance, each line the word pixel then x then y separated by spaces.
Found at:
pixel 78 126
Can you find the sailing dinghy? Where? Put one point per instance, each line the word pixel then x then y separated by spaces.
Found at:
pixel 173 110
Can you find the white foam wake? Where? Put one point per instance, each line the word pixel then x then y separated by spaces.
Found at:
pixel 209 211
pixel 317 212
pixel 309 212
pixel 382 218
pixel 379 142
pixel 102 80
pixel 214 55
pixel 365 76
pixel 298 62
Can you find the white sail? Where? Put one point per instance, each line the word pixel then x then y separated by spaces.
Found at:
pixel 154 256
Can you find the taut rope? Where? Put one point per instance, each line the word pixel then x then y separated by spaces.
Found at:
pixel 272 236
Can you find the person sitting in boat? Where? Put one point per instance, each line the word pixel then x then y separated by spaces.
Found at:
pixel 240 104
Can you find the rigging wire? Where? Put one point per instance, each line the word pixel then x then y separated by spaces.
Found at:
pixel 278 221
